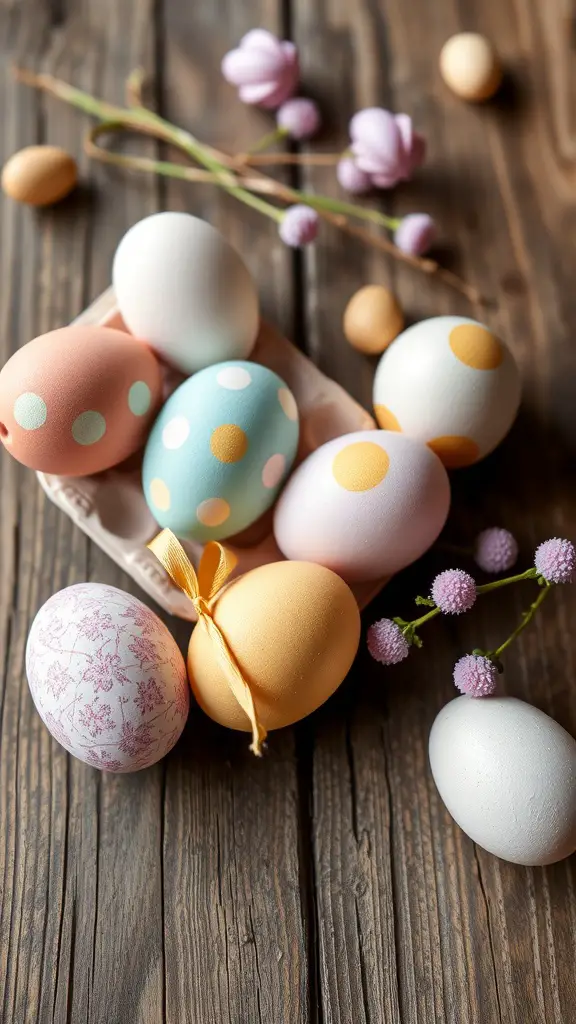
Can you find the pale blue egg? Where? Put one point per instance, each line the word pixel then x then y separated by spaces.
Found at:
pixel 220 450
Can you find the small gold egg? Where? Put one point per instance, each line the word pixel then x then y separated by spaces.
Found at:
pixel 470 67
pixel 372 319
pixel 39 175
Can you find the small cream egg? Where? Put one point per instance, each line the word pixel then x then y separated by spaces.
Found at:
pixel 183 288
pixel 507 774
pixel 451 383
pixel 470 67
pixel 372 319
pixel 364 505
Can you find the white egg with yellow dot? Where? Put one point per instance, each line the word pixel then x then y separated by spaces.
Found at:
pixel 451 383
pixel 364 505
pixel 220 450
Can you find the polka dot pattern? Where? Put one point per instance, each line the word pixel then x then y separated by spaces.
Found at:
pixel 228 443
pixel 360 466
pixel 288 403
pixel 213 512
pixel 160 494
pixel 175 433
pixel 476 347
pixel 455 452
pixel 89 427
pixel 386 418
pixel 273 471
pixel 139 398
pixel 30 411
pixel 234 378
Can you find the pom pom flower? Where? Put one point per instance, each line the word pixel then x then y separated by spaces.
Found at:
pixel 264 69
pixel 495 550
pixel 299 225
pixel 298 118
pixel 555 560
pixel 415 234
pixel 475 675
pixel 454 592
pixel 386 642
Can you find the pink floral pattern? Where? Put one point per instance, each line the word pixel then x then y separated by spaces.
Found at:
pixel 107 677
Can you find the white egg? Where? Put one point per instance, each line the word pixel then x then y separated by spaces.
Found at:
pixel 107 677
pixel 181 287
pixel 451 383
pixel 507 774
pixel 364 505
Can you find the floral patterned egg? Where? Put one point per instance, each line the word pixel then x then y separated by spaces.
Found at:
pixel 107 677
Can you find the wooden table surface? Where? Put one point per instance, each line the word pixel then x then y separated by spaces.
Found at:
pixel 325 883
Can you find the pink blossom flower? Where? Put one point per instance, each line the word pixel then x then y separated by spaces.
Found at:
pixel 415 234
pixel 475 675
pixel 386 642
pixel 385 145
pixel 264 69
pixel 351 177
pixel 150 696
pixel 495 550
pixel 105 671
pixel 454 591
pixel 555 560
pixel 299 226
pixel 96 718
pixel 299 118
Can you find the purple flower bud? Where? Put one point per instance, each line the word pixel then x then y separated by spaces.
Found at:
pixel 351 178
pixel 495 550
pixel 555 560
pixel 264 69
pixel 475 675
pixel 299 117
pixel 454 591
pixel 385 145
pixel 415 234
pixel 386 642
pixel 299 226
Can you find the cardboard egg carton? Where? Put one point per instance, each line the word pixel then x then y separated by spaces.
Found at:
pixel 111 509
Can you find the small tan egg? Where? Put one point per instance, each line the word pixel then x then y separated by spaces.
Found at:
pixel 470 67
pixel 39 175
pixel 372 319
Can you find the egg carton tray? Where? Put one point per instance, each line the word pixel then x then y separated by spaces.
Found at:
pixel 111 509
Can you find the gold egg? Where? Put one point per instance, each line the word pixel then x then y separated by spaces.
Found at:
pixel 372 319
pixel 294 629
pixel 39 175
pixel 470 67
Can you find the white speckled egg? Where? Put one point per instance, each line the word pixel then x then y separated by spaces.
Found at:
pixel 364 505
pixel 183 288
pixel 220 450
pixel 107 677
pixel 451 383
pixel 507 774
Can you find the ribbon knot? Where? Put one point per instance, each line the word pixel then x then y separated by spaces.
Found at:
pixel 216 564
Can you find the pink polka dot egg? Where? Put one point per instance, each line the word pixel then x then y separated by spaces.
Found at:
pixel 78 400
pixel 365 505
pixel 220 450
pixel 107 677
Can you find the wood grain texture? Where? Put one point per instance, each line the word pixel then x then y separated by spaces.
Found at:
pixel 327 883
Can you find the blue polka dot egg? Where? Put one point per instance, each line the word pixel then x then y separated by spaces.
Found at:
pixel 220 450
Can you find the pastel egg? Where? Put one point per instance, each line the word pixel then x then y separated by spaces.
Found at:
pixel 452 383
pixel 365 505
pixel 180 285
pixel 78 400
pixel 293 629
pixel 107 677
pixel 470 66
pixel 507 774
pixel 220 450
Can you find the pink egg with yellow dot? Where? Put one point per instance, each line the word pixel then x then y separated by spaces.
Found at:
pixel 364 505
pixel 453 384
pixel 78 400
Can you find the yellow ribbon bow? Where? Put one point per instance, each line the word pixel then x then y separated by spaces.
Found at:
pixel 215 567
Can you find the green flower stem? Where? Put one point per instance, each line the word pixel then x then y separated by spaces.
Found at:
pixel 526 619
pixel 351 210
pixel 270 139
